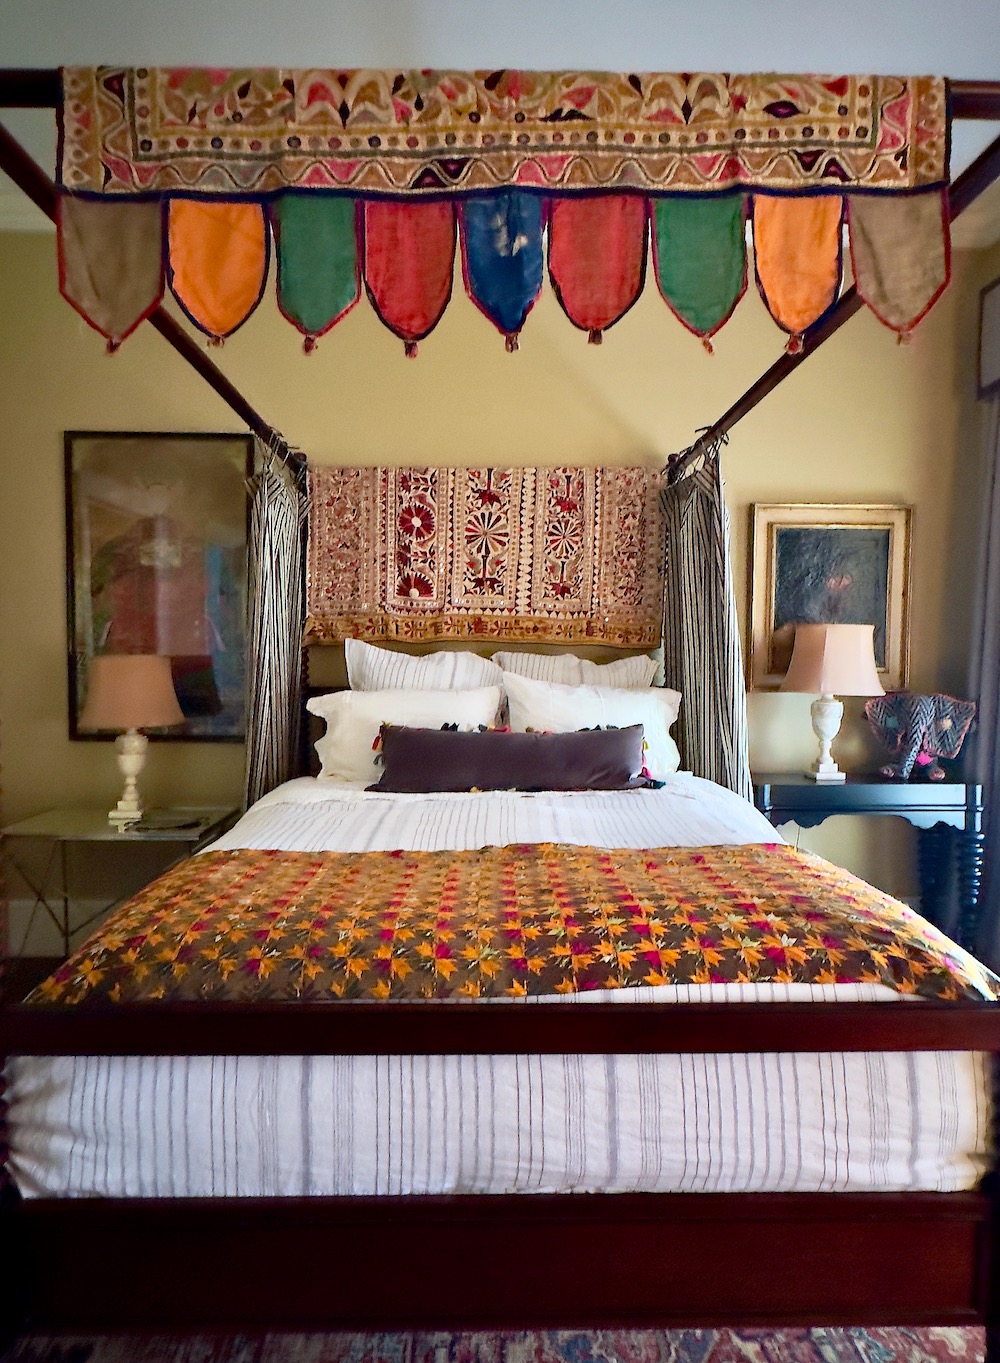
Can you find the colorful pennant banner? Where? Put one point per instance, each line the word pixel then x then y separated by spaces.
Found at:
pixel 373 177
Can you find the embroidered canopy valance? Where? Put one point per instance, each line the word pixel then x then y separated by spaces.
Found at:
pixel 374 177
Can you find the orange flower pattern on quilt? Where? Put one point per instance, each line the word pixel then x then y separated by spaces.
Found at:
pixel 498 922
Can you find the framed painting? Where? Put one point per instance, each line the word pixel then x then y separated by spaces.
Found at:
pixel 156 540
pixel 989 340
pixel 828 564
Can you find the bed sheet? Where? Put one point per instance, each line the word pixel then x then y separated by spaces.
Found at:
pixel 291 1125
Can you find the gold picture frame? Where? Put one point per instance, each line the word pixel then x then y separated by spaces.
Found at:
pixel 828 563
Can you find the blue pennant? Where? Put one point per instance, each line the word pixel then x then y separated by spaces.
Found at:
pixel 502 256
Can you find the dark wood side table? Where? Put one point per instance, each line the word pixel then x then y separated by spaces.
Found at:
pixel 948 815
pixel 181 831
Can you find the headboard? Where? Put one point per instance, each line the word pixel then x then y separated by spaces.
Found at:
pixel 324 669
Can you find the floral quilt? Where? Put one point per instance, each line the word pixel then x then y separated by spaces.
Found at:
pixel 501 922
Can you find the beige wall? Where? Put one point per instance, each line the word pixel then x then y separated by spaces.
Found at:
pixel 868 420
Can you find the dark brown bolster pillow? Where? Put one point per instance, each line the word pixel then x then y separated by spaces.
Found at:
pixel 422 761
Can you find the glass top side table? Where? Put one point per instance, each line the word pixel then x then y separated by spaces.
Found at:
pixel 187 828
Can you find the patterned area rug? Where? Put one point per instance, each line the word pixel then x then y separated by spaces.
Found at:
pixel 934 1345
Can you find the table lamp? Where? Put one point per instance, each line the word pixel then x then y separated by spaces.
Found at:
pixel 128 692
pixel 828 659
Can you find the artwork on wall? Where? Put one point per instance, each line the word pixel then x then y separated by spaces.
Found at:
pixel 828 564
pixel 989 340
pixel 156 530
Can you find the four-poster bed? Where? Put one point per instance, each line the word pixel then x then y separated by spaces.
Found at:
pixel 658 1257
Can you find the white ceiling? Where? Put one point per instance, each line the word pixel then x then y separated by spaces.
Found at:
pixel 960 40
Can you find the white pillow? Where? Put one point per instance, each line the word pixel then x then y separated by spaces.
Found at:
pixel 384 669
pixel 550 706
pixel 353 719
pixel 568 670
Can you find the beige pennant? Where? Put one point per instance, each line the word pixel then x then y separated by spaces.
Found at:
pixel 900 251
pixel 110 261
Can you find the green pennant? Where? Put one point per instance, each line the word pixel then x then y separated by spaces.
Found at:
pixel 699 249
pixel 317 246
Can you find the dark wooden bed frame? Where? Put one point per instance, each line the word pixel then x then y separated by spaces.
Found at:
pixel 572 1260
pixel 491 1261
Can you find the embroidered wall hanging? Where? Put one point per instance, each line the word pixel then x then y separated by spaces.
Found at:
pixel 455 553
pixel 501 155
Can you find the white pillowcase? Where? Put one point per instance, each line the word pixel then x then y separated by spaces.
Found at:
pixel 550 706
pixel 353 719
pixel 568 670
pixel 383 669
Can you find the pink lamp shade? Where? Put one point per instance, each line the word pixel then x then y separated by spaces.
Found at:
pixel 834 660
pixel 130 691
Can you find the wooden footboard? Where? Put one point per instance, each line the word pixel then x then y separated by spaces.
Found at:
pixel 485 1261
pixel 507 1262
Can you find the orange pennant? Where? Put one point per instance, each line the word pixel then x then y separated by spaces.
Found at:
pixel 797 249
pixel 218 254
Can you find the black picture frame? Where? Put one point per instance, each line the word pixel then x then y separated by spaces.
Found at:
pixel 156 553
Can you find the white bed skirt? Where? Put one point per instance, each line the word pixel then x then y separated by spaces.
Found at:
pixel 289 1125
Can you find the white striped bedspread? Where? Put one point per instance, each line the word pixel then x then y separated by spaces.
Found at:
pixel 389 1125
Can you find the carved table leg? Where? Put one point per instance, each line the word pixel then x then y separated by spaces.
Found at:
pixel 972 850
pixel 933 865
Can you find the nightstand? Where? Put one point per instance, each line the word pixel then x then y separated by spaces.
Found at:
pixel 180 831
pixel 947 814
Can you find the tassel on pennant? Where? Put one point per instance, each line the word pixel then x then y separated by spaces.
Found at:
pixel 319 266
pixel 795 345
pixel 410 349
pixel 903 337
pixel 502 254
pixel 309 345
pixel 709 347
pixel 798 258
pixel 510 342
pixel 699 255
pixel 110 262
pixel 597 257
pixel 409 258
pixel 217 261
pixel 901 253
pixel 595 336
pixel 113 345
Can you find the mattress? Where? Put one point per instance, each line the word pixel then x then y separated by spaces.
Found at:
pixel 329 1125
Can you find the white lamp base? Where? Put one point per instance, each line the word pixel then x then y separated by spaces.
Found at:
pixel 827 712
pixel 131 749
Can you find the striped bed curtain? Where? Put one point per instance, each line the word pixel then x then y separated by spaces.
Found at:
pixel 703 658
pixel 275 608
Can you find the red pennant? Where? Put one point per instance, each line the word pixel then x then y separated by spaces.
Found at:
pixel 597 257
pixel 409 261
